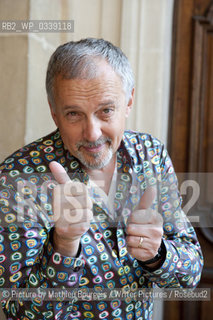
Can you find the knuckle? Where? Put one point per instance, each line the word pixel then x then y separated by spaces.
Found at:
pixel 161 233
pixel 129 229
pixel 152 215
pixel 83 228
pixel 89 214
pixel 157 232
pixel 128 240
pixel 62 230
pixel 56 190
pixel 157 219
pixel 88 202
pixel 131 250
pixel 74 188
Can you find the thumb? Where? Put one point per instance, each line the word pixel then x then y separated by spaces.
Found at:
pixel 147 198
pixel 59 172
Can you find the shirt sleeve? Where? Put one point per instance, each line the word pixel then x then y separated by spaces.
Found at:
pixel 28 259
pixel 184 261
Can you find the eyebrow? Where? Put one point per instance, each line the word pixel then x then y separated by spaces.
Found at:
pixel 70 107
pixel 75 107
pixel 106 103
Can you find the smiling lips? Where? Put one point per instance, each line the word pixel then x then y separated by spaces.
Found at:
pixel 94 149
pixel 96 146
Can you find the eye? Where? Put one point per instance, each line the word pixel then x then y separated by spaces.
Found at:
pixel 73 116
pixel 108 111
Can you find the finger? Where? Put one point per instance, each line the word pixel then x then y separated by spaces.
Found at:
pixel 72 231
pixel 75 188
pixel 69 204
pixel 76 216
pixel 145 250
pixel 59 172
pixel 145 230
pixel 147 198
pixel 138 229
pixel 147 216
pixel 78 202
pixel 141 254
pixel 134 241
pixel 142 216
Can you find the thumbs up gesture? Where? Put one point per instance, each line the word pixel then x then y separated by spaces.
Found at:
pixel 72 211
pixel 144 229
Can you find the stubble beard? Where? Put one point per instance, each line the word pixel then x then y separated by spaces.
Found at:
pixel 96 160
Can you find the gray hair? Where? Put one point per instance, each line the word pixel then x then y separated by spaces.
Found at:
pixel 75 60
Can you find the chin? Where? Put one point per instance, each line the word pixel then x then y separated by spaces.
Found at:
pixel 97 162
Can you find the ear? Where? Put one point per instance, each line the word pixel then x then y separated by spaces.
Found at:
pixel 53 113
pixel 130 103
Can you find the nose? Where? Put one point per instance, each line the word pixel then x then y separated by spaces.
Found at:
pixel 92 129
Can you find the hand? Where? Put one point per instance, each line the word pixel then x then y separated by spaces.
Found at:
pixel 147 224
pixel 72 209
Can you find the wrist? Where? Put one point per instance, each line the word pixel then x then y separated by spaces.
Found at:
pixel 64 246
pixel 157 259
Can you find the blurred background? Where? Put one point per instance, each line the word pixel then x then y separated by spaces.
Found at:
pixel 170 46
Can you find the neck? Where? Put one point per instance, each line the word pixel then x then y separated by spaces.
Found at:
pixel 102 177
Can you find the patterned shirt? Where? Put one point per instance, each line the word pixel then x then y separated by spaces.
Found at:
pixel 28 259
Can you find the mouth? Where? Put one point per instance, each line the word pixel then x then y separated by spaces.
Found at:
pixel 94 149
pixel 96 154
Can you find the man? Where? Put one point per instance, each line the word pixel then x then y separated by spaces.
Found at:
pixel 90 207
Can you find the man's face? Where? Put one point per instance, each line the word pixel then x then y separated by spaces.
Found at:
pixel 90 114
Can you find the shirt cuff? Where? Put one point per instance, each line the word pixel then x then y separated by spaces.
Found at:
pixel 59 269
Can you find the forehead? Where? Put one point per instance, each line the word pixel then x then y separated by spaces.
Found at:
pixel 104 81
